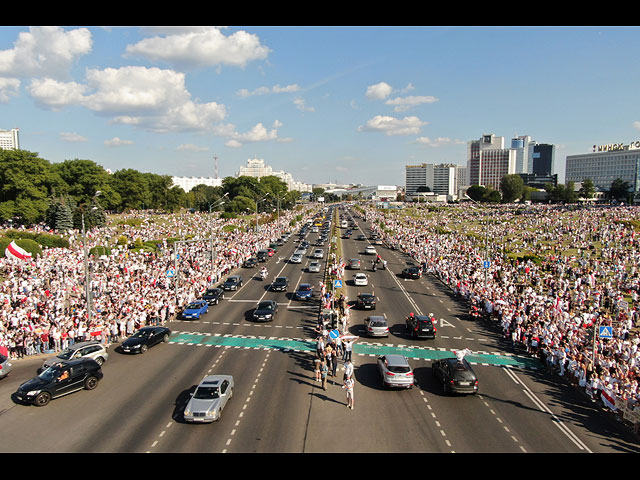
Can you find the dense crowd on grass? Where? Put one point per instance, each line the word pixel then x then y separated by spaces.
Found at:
pixel 554 275
pixel 43 304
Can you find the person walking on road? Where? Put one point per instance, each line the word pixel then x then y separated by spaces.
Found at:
pixel 324 370
pixel 348 386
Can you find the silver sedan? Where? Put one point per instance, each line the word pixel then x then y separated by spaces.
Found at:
pixel 209 399
pixel 395 371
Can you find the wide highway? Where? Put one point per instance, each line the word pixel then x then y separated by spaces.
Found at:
pixel 277 407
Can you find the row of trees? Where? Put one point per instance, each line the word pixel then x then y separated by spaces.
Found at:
pixel 33 190
pixel 512 188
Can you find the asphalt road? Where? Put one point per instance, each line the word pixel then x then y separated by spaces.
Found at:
pixel 277 407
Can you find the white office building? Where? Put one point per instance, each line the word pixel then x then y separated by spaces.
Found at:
pixel 9 139
pixel 488 161
pixel 606 164
pixel 187 183
pixel 256 168
pixel 441 179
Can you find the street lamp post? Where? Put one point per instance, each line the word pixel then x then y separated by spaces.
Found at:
pixel 258 201
pixel 87 278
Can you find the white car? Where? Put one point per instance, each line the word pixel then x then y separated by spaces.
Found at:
pixel 209 398
pixel 314 267
pixel 318 253
pixel 360 279
pixel 296 258
pixel 370 250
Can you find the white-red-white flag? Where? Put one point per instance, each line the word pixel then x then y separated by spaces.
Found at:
pixel 14 251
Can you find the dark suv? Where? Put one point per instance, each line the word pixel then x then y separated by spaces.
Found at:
pixel 60 379
pixel 456 376
pixel 411 272
pixel 420 326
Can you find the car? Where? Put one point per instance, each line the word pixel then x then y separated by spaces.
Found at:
pixel 395 371
pixel 250 262
pixel 300 251
pixel 145 338
pixel 296 258
pixel 354 264
pixel 421 326
pixel 366 301
pixel 265 311
pixel 263 255
pixel 411 272
pixel 5 366
pixel 376 326
pixel 209 399
pixel 61 378
pixel 370 250
pixel 318 253
pixel 280 284
pixel 360 279
pixel 314 267
pixel 232 283
pixel 195 309
pixel 456 376
pixel 304 291
pixel 212 296
pixel 91 349
pixel 271 249
pixel 361 237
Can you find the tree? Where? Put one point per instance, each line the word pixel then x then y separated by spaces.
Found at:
pixel 476 192
pixel 587 189
pixel 511 187
pixel 619 189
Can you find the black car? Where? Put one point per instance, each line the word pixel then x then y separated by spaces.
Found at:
pixel 280 284
pixel 212 296
pixel 456 376
pixel 366 301
pixel 145 338
pixel 263 255
pixel 60 379
pixel 234 282
pixel 265 311
pixel 250 262
pixel 411 272
pixel 420 326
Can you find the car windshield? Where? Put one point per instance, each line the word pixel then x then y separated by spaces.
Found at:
pixel 366 296
pixel 141 334
pixel 398 369
pixel 211 292
pixel 193 306
pixel 66 354
pixel 206 393
pixel 231 280
pixel 377 322
pixel 265 306
pixel 305 288
pixel 50 374
pixel 281 280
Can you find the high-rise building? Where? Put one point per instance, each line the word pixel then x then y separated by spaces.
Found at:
pixel 488 161
pixel 543 159
pixel 9 139
pixel 523 146
pixel 256 168
pixel 606 164
pixel 441 179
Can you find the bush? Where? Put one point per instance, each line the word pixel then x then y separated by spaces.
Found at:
pixel 27 244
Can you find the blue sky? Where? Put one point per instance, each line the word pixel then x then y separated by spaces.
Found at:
pixel 345 104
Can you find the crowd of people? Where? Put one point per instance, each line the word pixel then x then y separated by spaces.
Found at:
pixel 43 304
pixel 549 275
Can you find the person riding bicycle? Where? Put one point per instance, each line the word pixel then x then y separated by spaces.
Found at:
pixel 263 272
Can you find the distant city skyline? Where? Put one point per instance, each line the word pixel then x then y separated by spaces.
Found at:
pixel 326 104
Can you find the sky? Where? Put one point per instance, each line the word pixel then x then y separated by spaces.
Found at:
pixel 326 104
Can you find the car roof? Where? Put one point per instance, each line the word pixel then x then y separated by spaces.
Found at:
pixel 378 318
pixel 78 345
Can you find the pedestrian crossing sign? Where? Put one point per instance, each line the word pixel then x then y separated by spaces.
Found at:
pixel 605 332
pixel 337 284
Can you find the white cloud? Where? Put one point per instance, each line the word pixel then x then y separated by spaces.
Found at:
pixel 379 91
pixel 45 51
pixel 8 88
pixel 393 126
pixel 117 142
pixel 636 125
pixel 72 137
pixel 402 104
pixel 259 133
pixel 191 148
pixel 151 98
pixel 201 47
pixel 267 90
pixel 300 105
